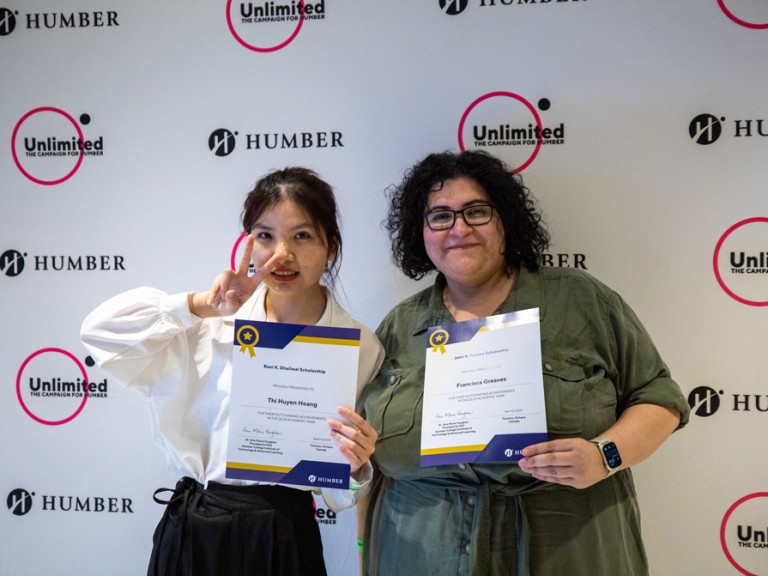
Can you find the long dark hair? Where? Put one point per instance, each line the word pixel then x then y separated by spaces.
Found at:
pixel 525 237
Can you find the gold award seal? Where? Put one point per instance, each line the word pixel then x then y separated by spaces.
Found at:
pixel 438 339
pixel 247 336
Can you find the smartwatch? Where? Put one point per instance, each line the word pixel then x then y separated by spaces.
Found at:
pixel 609 453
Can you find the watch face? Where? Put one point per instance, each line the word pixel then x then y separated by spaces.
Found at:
pixel 611 453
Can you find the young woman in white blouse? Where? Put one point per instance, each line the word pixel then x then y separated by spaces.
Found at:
pixel 177 349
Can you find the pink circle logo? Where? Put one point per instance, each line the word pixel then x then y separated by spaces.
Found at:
pixel 271 13
pixel 40 389
pixel 744 527
pixel 752 13
pixel 511 141
pixel 38 149
pixel 233 260
pixel 740 261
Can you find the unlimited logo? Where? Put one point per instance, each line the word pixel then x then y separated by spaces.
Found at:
pixel 740 261
pixel 744 534
pixel 52 386
pixel 270 26
pixel 509 124
pixel 48 145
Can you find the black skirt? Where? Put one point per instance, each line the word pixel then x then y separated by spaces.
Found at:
pixel 234 530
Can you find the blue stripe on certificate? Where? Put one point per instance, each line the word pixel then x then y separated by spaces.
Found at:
pixel 256 334
pixel 502 448
pixel 305 473
pixel 459 332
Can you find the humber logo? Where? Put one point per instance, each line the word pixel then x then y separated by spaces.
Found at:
pixel 704 401
pixel 705 129
pixel 221 142
pixel 51 20
pixel 453 7
pixel 11 263
pixel 19 502
pixel 7 21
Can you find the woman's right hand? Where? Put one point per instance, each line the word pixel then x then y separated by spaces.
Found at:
pixel 231 289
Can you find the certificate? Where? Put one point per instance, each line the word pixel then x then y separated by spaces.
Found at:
pixel 287 380
pixel 483 390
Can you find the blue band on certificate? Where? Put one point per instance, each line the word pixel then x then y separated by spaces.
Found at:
pixel 278 336
pixel 503 447
pixel 460 332
pixel 305 473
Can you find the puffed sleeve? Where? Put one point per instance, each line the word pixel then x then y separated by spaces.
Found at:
pixel 137 336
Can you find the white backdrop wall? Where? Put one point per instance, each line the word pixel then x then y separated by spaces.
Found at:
pixel 652 176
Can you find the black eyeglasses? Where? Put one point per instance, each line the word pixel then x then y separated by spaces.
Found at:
pixel 444 219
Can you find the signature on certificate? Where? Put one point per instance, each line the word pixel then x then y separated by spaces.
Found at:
pixel 457 414
pixel 263 432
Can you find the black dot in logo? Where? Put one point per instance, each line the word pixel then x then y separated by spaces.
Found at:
pixel 90 362
pixel 85 119
pixel 544 104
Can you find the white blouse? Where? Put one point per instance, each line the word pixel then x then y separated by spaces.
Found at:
pixel 149 340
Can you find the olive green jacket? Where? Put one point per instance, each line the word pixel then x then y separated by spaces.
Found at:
pixel 597 360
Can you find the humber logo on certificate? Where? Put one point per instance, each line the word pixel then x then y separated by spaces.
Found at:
pixel 483 390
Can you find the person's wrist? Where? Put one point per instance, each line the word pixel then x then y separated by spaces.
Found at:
pixel 609 455
pixel 198 305
pixel 357 473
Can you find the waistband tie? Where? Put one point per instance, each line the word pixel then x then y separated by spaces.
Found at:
pixel 184 489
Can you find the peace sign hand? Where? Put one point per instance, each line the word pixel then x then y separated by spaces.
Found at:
pixel 231 289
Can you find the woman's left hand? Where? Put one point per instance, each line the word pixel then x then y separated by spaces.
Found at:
pixel 357 438
pixel 571 461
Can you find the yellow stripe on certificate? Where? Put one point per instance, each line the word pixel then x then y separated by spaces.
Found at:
pixel 452 449
pixel 332 341
pixel 258 467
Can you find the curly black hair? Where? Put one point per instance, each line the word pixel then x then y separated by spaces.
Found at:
pixel 525 236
